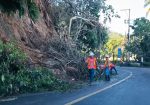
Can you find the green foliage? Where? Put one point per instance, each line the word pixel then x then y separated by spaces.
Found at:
pixel 12 60
pixel 35 80
pixel 140 39
pixel 115 41
pixel 135 47
pixel 38 79
pixel 147 64
pixel 33 10
pixel 85 31
pixel 16 78
pixel 93 6
pixel 91 38
pixel 62 10
pixel 12 6
pixel 141 27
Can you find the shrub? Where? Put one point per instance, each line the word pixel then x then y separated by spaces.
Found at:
pixel 147 64
pixel 16 78
pixel 12 6
pixel 135 64
pixel 12 60
pixel 38 79
pixel 33 10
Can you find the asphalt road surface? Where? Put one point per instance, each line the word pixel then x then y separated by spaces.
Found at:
pixel 133 91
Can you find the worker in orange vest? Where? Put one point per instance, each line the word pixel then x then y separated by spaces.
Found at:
pixel 92 65
pixel 112 67
pixel 107 72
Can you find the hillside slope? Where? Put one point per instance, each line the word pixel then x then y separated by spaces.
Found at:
pixel 39 39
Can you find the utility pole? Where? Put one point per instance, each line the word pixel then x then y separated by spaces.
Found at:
pixel 128 34
pixel 128 22
pixel 129 26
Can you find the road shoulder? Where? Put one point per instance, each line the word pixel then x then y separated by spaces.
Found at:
pixel 52 97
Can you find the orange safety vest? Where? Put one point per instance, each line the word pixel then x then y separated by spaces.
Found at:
pixel 111 65
pixel 107 63
pixel 91 63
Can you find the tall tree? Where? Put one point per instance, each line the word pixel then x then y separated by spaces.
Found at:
pixel 115 41
pixel 81 18
pixel 139 44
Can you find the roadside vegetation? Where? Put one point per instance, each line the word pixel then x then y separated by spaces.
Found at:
pixel 16 77
pixel 78 31
pixel 139 42
pixel 114 42
pixel 76 23
pixel 22 6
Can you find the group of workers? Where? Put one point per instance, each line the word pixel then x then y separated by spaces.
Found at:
pixel 93 66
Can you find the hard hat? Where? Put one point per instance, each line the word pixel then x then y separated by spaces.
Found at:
pixel 91 54
pixel 107 56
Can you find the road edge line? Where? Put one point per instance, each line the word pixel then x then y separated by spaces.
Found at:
pixel 8 99
pixel 99 91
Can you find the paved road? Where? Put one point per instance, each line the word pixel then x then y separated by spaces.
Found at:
pixel 134 91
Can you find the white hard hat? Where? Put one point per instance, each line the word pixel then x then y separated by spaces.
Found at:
pixel 91 54
pixel 107 56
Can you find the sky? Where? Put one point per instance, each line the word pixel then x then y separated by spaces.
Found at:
pixel 137 10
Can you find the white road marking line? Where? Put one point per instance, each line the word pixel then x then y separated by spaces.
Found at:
pixel 91 94
pixel 8 99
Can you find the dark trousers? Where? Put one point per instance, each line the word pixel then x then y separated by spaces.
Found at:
pixel 113 68
pixel 107 74
pixel 107 77
pixel 91 74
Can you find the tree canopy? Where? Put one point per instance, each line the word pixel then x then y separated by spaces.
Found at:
pixel 139 43
pixel 83 18
pixel 115 41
